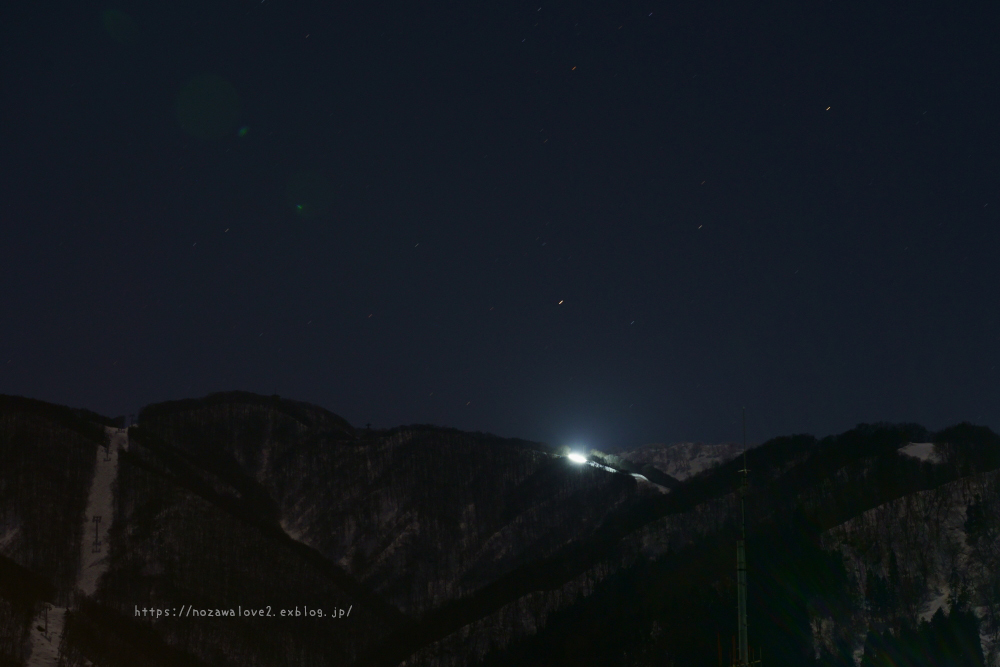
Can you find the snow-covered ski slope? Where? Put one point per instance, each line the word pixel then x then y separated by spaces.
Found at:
pixel 97 521
pixel 47 627
pixel 46 634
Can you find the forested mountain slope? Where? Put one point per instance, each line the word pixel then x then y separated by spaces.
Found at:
pixel 436 547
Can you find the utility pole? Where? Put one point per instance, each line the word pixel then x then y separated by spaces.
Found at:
pixel 744 659
pixel 741 554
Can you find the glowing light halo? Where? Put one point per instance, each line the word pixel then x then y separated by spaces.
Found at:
pixel 577 458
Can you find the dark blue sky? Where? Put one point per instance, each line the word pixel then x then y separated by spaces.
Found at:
pixel 790 206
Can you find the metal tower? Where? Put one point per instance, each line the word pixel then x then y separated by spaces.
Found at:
pixel 744 659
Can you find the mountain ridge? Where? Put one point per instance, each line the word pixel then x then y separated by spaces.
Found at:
pixel 453 547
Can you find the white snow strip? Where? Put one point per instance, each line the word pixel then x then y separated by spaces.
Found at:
pixel 921 450
pixel 47 627
pixel 645 480
pixel 100 510
pixel 986 638
pixel 45 644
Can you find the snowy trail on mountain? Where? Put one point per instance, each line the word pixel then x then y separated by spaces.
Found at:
pixel 46 634
pixel 642 479
pixel 94 550
pixel 100 508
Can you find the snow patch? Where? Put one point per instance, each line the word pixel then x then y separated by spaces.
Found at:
pixel 941 600
pixel 7 537
pixel 45 641
pixel 921 450
pixel 291 531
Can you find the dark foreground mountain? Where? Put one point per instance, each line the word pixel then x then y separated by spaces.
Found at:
pixel 429 546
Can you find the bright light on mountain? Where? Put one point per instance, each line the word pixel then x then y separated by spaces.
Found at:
pixel 577 458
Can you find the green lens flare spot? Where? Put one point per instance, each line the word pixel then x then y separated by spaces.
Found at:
pixel 309 194
pixel 119 26
pixel 208 107
pixel 243 130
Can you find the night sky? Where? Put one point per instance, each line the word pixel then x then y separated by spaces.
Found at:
pixel 598 224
